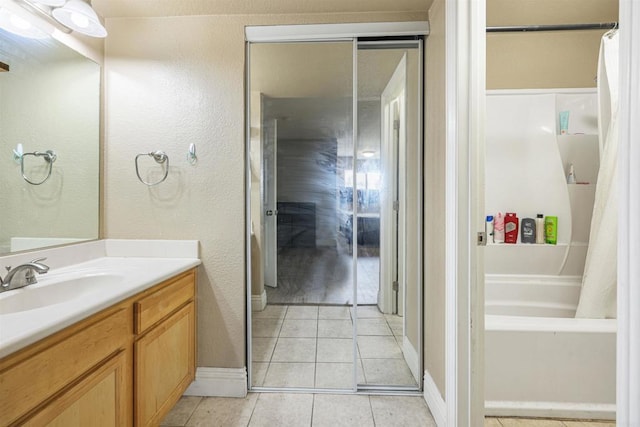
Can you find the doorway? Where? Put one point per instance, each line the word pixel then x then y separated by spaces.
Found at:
pixel 335 143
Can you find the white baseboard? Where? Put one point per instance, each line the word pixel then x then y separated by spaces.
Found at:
pixel 434 399
pixel 411 357
pixel 584 411
pixel 219 382
pixel 259 302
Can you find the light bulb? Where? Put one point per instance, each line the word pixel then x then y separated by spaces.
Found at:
pixel 80 20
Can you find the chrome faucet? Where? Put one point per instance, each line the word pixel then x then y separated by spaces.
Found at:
pixel 23 275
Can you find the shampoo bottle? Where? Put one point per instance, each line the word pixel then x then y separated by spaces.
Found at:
pixel 488 228
pixel 498 228
pixel 540 229
pixel 510 228
pixel 551 229
pixel 528 230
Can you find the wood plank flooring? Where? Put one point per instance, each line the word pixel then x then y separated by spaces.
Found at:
pixel 324 275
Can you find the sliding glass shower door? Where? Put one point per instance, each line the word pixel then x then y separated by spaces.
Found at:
pixel 334 148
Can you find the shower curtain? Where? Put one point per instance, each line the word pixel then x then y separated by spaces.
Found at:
pixel 598 295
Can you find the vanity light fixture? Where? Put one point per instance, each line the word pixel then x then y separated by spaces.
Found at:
pixel 80 16
pixel 51 3
pixel 19 22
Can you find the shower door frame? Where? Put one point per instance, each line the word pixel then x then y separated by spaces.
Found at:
pixel 337 33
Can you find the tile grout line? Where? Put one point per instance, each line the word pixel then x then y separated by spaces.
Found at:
pixel 194 411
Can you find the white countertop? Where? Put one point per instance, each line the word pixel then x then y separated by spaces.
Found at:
pixel 127 276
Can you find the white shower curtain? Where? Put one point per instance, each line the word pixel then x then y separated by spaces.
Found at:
pixel 598 295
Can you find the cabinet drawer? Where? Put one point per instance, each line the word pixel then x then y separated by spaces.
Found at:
pixel 29 382
pixel 154 307
pixel 97 401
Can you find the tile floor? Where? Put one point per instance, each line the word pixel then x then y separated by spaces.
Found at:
pixel 526 422
pixel 300 410
pixel 311 346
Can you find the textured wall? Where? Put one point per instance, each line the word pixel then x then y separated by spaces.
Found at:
pixel 555 59
pixel 170 82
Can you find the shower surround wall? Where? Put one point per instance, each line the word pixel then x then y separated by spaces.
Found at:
pixel 559 366
pixel 182 82
pixel 526 166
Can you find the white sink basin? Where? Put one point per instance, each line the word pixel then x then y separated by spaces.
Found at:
pixel 47 294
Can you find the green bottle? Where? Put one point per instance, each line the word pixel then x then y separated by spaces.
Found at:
pixel 551 229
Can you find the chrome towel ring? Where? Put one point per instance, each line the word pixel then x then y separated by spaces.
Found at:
pixel 161 158
pixel 49 156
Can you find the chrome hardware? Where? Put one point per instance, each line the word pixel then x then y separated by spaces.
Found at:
pixel 161 158
pixel 49 156
pixel 23 275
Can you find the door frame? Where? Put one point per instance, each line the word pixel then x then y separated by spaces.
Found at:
pixel 628 337
pixel 270 186
pixel 393 95
pixel 465 22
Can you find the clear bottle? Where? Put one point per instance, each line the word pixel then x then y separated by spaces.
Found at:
pixel 540 228
pixel 498 228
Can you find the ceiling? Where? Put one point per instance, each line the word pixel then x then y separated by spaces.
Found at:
pixel 159 8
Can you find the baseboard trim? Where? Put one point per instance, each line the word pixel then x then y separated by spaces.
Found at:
pixel 411 357
pixel 259 302
pixel 584 411
pixel 434 399
pixel 219 382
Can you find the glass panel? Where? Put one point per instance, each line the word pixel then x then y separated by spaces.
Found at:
pixel 301 153
pixel 49 100
pixel 388 171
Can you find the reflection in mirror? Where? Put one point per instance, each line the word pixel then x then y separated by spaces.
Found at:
pixel 301 150
pixel 388 211
pixel 49 144
pixel 325 212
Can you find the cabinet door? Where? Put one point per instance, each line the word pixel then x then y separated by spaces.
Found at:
pixel 99 400
pixel 164 365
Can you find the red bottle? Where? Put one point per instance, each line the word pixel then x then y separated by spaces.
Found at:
pixel 510 228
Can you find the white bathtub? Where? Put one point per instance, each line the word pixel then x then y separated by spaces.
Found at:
pixel 540 361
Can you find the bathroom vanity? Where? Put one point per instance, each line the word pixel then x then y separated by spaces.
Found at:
pixel 126 363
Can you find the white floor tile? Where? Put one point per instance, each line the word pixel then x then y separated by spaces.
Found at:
pixel 295 350
pixel 299 328
pixel 335 350
pixel 330 328
pixel 341 411
pixel 288 374
pixel 282 410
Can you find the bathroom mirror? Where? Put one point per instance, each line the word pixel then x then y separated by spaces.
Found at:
pixel 49 101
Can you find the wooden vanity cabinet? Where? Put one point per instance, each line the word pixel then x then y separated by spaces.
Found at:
pixel 126 365
pixel 165 359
